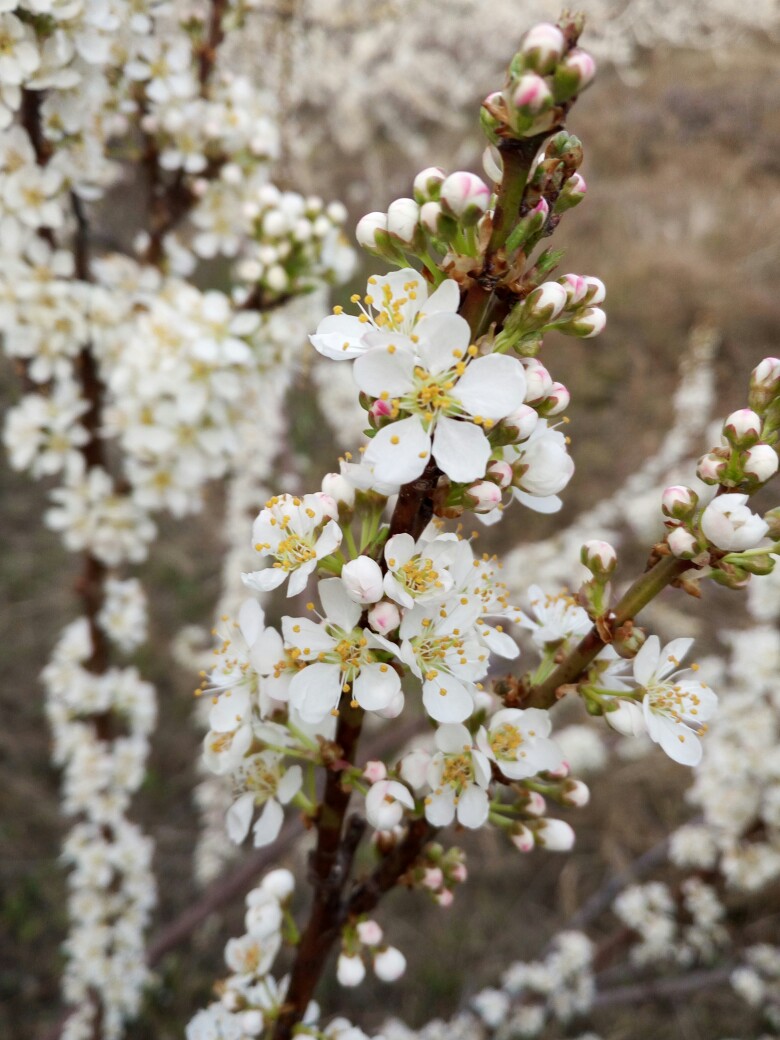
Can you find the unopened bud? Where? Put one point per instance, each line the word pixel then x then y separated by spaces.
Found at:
pixel 710 468
pixel 522 838
pixel 683 544
pixel 575 793
pixel 742 428
pixel 542 47
pixel 339 489
pixel 599 557
pixel 367 229
pixel 772 518
pixel 573 74
pixel 531 96
pixel 350 970
pixel 459 873
pixel 557 401
pixel 433 878
pixel 433 218
pixel 252 1023
pixel 444 898
pixel 554 835
pixel 375 771
pixel 523 422
pixel 501 473
pixel 576 286
pixel 572 193
pixel 466 196
pixel 538 381
pixel 597 291
pixel 536 805
pixel 545 303
pixel 402 219
pixel 389 965
pixel 279 883
pixel 585 325
pixel 384 617
pixel 764 383
pixel 483 497
pixel 679 502
pixel 370 933
pixel 760 462
pixel 427 184
pixel 380 409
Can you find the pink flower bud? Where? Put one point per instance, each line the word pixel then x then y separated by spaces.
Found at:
pixel 339 489
pixel 710 468
pixel 760 462
pixel 765 383
pixel 679 502
pixel 483 496
pixel 459 873
pixel 389 965
pixel 584 65
pixel 536 805
pixel 384 617
pixel 575 187
pixel 542 47
pixel 575 793
pixel 561 772
pixel 576 287
pixel 369 933
pixel 558 400
pixel 445 898
pixel 375 771
pixel 573 74
pixel 362 579
pixel 597 291
pixel 402 218
pixel 682 543
pixel 524 421
pixel 380 409
pixel 522 838
pixel 587 324
pixel 465 196
pixel 538 381
pixel 532 96
pixel 555 835
pixel 367 228
pixel 433 878
pixel 599 557
pixel 742 428
pixel 427 183
pixel 350 970
pixel 501 473
pixel 546 302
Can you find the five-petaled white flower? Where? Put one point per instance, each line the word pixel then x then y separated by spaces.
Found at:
pixel 263 780
pixel 417 572
pixel 459 775
pixel 337 657
pixel 676 704
pixel 295 533
pixel 396 302
pixel 518 742
pixel 558 618
pixel 439 397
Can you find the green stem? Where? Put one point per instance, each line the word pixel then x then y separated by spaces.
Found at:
pixel 576 663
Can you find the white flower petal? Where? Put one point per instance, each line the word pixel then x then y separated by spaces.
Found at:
pixel 399 452
pixel 492 386
pixel 239 816
pixel 376 686
pixel 385 370
pixel 265 580
pixel 473 806
pixel 316 690
pixel 461 449
pixel 269 823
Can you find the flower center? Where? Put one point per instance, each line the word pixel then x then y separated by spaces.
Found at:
pixel 458 771
pixel 505 741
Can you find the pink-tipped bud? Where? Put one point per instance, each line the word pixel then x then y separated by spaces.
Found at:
pixel 538 381
pixel 682 543
pixel 679 502
pixel 765 383
pixel 375 771
pixel 576 286
pixel 427 184
pixel 760 462
pixel 585 325
pixel 444 898
pixel 742 428
pixel 327 504
pixel 536 805
pixel 542 47
pixel 573 191
pixel 483 496
pixel 532 96
pixel 465 196
pixel 599 557
pixel 384 617
pixel 380 409
pixel 402 219
pixel 597 291
pixel 339 489
pixel 370 933
pixel 574 74
pixel 522 838
pixel 501 473
pixel 459 873
pixel 710 468
pixel 545 303
pixel 555 835
pixel 575 793
pixel 558 400
pixel 523 421
pixel 433 878
pixel 367 228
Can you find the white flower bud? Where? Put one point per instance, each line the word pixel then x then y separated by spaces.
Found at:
pixel 599 557
pixel 543 46
pixel 536 805
pixel 575 793
pixel 587 324
pixel 682 543
pixel 555 835
pixel 370 933
pixel 367 227
pixel 427 184
pixel 384 617
pixel 576 286
pixel 276 278
pixel 279 883
pixel 484 496
pixel 538 381
pixel 375 771
pixel 532 96
pixel 583 64
pixel 760 462
pixel 433 878
pixel 252 1023
pixel 546 302
pixel 327 504
pixel 402 218
pixel 524 420
pixel 742 428
pixel 597 291
pixel 389 965
pixel 710 468
pixel 350 970
pixel 729 524
pixel 627 718
pixel 431 217
pixel 362 580
pixel 558 400
pixel 501 473
pixel 465 195
pixel 522 838
pixel 765 382
pixel 275 224
pixel 339 489
pixel 679 502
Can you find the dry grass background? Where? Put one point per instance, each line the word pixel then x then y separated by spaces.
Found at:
pixel 681 223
